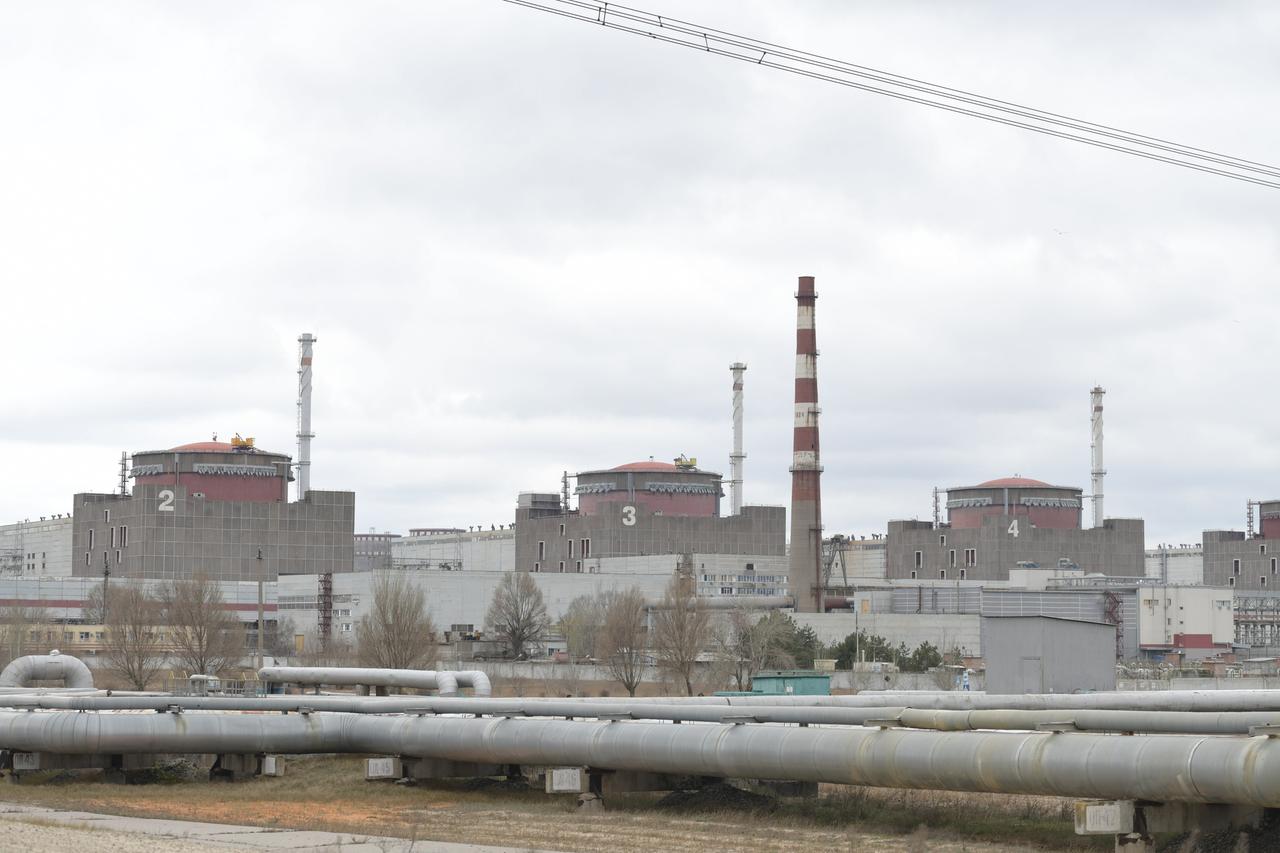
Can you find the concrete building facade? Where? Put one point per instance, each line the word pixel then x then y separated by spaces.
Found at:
pixel 373 551
pixel 40 548
pixel 630 511
pixel 182 519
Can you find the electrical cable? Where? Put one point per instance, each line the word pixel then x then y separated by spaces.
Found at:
pixel 959 101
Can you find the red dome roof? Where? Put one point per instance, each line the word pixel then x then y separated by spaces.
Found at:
pixel 1013 483
pixel 646 465
pixel 204 447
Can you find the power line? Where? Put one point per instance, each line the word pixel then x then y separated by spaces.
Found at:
pixel 867 79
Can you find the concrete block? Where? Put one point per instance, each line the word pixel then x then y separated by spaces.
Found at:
pixel 567 780
pixel 273 765
pixel 386 767
pixel 1104 817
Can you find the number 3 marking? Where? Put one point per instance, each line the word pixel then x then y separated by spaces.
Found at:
pixel 629 516
pixel 166 500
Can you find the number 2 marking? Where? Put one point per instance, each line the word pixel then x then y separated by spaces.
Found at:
pixel 166 500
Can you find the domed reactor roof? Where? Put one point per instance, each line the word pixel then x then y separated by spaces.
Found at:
pixel 216 470
pixel 1013 483
pixel 648 465
pixel 651 488
pixel 1043 504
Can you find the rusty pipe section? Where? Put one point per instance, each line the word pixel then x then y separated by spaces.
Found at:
pixel 23 671
pixel 444 681
pixel 1161 768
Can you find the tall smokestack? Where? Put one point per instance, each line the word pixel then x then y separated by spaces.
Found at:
pixel 304 414
pixel 1098 470
pixel 735 458
pixel 806 472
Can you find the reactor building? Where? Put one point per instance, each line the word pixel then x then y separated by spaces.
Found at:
pixel 641 509
pixel 1009 523
pixel 220 509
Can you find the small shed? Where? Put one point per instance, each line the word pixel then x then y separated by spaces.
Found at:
pixel 1047 654
pixel 786 682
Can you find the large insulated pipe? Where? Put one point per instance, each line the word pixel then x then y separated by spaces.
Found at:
pixel 806 470
pixel 23 671
pixel 1160 768
pixel 305 342
pixel 1168 722
pixel 1098 471
pixel 444 681
pixel 735 458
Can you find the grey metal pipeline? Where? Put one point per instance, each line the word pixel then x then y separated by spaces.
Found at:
pixel 1147 722
pixel 445 682
pixel 23 671
pixel 1160 768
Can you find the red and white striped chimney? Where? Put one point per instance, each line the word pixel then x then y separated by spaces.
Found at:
pixel 806 470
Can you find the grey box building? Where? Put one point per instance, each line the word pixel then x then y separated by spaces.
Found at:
pixel 1043 654
pixel 216 509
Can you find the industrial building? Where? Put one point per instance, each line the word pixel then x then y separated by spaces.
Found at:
pixel 1248 563
pixel 1000 524
pixel 1046 654
pixel 641 509
pixel 216 508
pixel 39 548
pixel 373 550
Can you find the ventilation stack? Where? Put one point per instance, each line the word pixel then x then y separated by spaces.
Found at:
pixel 304 414
pixel 806 472
pixel 1098 471
pixel 735 458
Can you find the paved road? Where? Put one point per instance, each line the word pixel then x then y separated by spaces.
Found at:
pixel 36 829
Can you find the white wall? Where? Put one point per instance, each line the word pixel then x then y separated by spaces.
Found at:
pixel 49 541
pixel 1184 565
pixel 480 551
pixel 1167 610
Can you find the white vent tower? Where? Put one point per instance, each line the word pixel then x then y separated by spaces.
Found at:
pixel 735 458
pixel 304 414
pixel 1098 471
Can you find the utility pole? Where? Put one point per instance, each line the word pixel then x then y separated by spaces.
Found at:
pixel 261 626
pixel 106 578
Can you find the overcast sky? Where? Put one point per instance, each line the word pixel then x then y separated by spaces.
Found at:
pixel 529 245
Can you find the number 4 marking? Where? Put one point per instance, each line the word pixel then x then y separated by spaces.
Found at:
pixel 1013 529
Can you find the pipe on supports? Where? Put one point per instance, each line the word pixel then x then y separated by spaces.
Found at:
pixel 1160 768
pixel 444 681
pixel 55 666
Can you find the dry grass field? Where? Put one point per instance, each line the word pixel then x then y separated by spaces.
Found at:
pixel 330 793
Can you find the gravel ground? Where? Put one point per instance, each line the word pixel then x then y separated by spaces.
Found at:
pixel 28 837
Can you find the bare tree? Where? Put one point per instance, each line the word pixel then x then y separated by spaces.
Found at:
pixel 397 632
pixel 749 643
pixel 134 642
pixel 517 614
pixel 94 610
pixel 581 625
pixel 16 627
pixel 281 640
pixel 206 637
pixel 681 631
pixel 622 638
